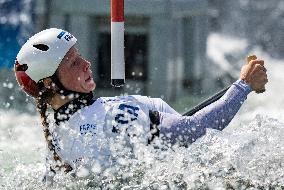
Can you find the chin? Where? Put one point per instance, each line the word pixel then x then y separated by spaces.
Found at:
pixel 91 87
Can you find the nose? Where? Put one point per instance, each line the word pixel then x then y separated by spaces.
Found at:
pixel 86 65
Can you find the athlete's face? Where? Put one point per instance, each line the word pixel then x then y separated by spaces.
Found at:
pixel 75 74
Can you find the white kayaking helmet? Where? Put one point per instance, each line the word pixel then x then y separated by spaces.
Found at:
pixel 40 56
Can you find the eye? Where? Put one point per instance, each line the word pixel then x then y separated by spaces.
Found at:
pixel 74 63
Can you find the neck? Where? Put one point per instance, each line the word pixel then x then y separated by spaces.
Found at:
pixel 70 106
pixel 59 100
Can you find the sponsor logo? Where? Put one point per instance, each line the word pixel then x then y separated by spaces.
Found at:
pixel 61 34
pixel 66 35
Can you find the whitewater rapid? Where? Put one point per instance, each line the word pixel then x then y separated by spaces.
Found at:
pixel 249 153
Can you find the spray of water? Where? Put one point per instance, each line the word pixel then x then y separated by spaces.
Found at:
pixel 247 154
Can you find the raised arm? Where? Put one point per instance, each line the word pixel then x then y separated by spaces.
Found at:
pixel 217 115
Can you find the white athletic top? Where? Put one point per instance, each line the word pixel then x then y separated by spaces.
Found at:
pixel 92 132
pixel 85 137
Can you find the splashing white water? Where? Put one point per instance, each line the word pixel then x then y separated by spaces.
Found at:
pixel 247 154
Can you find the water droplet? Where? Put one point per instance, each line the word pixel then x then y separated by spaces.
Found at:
pixel 82 172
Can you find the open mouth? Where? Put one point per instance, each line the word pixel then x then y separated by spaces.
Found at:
pixel 90 78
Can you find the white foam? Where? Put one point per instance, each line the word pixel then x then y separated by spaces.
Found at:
pixel 249 153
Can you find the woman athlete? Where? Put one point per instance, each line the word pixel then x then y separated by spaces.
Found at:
pixel 51 70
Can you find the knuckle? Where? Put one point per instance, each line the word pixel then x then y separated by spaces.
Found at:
pixel 260 68
pixel 264 69
pixel 265 75
pixel 251 63
pixel 259 62
pixel 259 72
pixel 257 65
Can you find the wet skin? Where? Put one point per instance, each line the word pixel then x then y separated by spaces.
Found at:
pixel 74 72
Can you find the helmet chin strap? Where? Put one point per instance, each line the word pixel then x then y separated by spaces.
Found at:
pixel 61 89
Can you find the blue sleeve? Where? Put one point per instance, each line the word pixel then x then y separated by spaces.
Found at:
pixel 216 115
pixel 219 114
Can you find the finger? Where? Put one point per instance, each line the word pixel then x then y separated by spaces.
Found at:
pixel 260 74
pixel 262 79
pixel 265 76
pixel 265 80
pixel 260 91
pixel 260 67
pixel 257 61
pixel 250 65
pixel 250 58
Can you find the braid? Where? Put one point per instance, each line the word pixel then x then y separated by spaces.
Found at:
pixel 41 102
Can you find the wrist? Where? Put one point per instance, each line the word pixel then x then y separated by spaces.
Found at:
pixel 244 85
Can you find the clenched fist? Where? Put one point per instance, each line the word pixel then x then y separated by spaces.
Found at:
pixel 254 73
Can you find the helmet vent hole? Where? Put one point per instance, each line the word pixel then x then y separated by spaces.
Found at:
pixel 41 47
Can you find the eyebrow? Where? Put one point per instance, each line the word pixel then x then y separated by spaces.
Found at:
pixel 73 59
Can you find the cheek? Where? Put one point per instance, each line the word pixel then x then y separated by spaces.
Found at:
pixel 71 80
pixel 75 77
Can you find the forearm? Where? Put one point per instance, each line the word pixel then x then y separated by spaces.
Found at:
pixel 186 129
pixel 219 114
